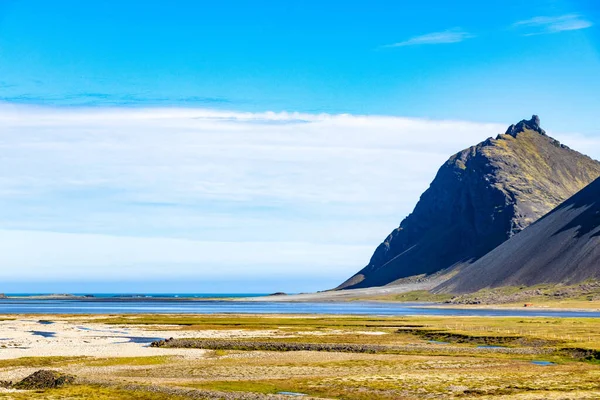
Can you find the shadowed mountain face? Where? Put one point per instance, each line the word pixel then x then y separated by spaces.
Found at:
pixel 479 198
pixel 562 247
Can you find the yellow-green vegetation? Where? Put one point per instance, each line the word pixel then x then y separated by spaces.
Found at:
pixel 39 362
pixel 585 295
pixel 419 368
pixel 537 165
pixel 460 164
pixel 126 361
pixel 56 362
pixel 351 376
pixel 88 392
pixel 415 296
pixel 336 329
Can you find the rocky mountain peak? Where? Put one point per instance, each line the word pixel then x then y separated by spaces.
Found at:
pixel 533 124
pixel 479 198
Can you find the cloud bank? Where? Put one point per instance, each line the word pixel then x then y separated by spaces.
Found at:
pixel 126 194
pixel 455 35
pixel 545 25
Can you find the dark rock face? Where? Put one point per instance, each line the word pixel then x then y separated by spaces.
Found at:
pixel 479 198
pixel 44 379
pixel 533 125
pixel 562 247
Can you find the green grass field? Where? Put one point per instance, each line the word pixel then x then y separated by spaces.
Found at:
pixel 418 367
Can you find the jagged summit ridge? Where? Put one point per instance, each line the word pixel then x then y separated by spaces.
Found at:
pixel 530 125
pixel 479 198
pixel 533 124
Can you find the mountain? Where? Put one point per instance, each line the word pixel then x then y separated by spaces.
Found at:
pixel 562 247
pixel 479 198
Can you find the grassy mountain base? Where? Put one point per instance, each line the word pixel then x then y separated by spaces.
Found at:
pixel 584 295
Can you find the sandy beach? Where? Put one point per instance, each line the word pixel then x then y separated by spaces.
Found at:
pixel 36 337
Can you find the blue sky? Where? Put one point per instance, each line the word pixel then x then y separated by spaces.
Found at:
pixel 310 56
pixel 296 134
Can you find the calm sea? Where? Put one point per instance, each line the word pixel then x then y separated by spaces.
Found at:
pixel 154 305
pixel 149 295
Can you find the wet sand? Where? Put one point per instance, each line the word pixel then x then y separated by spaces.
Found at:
pixel 27 337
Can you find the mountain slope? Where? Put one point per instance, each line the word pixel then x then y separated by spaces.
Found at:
pixel 562 247
pixel 479 198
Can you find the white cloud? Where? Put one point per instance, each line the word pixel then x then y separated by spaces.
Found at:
pixel 455 35
pixel 52 256
pixel 545 25
pixel 142 192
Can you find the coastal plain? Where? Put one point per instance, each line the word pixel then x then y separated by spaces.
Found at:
pixel 225 356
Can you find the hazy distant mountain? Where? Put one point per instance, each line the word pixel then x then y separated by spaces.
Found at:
pixel 562 247
pixel 479 198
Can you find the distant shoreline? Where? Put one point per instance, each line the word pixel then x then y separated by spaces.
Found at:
pixel 408 293
pixel 305 298
pixel 132 297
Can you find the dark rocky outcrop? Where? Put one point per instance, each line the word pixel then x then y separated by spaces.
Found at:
pixel 237 345
pixel 44 379
pixel 479 198
pixel 533 125
pixel 562 247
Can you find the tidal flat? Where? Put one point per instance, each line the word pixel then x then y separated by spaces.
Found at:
pixel 289 356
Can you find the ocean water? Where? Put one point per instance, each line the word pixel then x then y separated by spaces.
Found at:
pixel 149 295
pixel 109 305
